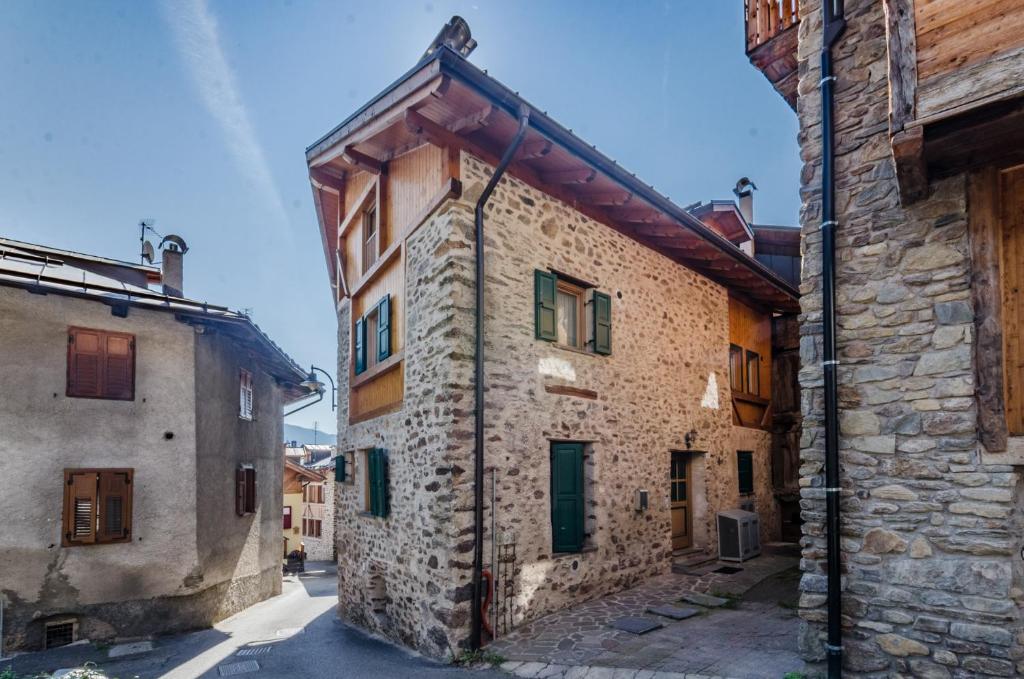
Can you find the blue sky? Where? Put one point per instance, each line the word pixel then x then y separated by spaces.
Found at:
pixel 197 115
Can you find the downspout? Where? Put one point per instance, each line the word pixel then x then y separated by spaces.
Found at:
pixel 478 434
pixel 832 27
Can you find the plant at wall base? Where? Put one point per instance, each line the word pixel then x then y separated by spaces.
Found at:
pixel 479 657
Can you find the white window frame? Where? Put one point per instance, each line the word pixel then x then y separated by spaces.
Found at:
pixel 245 394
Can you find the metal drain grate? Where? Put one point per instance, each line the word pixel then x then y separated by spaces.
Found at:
pixel 254 650
pixel 234 668
pixel 728 570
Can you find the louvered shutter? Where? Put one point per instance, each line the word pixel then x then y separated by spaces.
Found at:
pixel 79 507
pixel 602 323
pixel 567 497
pixel 240 491
pixel 250 491
pixel 85 363
pixel 340 472
pixel 360 345
pixel 114 505
pixel 119 367
pixel 384 328
pixel 379 504
pixel 545 286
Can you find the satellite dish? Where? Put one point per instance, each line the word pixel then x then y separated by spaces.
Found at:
pixel 148 253
pixel 174 242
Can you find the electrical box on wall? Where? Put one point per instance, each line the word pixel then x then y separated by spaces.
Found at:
pixel 641 503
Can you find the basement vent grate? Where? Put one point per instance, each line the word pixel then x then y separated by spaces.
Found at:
pixel 255 650
pixel 728 570
pixel 234 668
pixel 59 634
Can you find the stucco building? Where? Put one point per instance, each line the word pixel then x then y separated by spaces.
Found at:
pixel 141 451
pixel 303 514
pixel 913 147
pixel 626 373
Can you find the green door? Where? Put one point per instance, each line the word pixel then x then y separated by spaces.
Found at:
pixel 567 497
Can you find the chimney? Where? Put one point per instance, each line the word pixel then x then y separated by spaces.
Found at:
pixel 171 273
pixel 745 192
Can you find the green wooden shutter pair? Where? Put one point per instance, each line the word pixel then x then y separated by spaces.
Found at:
pixel 567 497
pixel 545 287
pixel 745 466
pixel 378 468
pixel 360 343
pixel 602 330
pixel 384 328
pixel 340 472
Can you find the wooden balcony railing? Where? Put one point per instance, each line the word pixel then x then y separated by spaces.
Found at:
pixel 767 18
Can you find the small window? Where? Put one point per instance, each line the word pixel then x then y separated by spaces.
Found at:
pixel 375 483
pixel 753 373
pixel 60 633
pixel 101 364
pixel 313 493
pixel 311 528
pixel 570 312
pixel 287 518
pixel 97 506
pixel 370 238
pixel 745 470
pixel 735 368
pixel 245 394
pixel 245 490
pixel 372 336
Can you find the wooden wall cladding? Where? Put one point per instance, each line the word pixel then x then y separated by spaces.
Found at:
pixel 379 396
pixel 413 180
pixel 952 34
pixel 752 330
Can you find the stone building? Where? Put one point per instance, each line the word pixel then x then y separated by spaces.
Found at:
pixel 627 368
pixel 929 141
pixel 140 451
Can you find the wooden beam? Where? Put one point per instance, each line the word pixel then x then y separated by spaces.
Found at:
pixel 583 175
pixel 362 161
pixel 986 293
pixel 606 198
pixel 635 215
pixel 474 121
pixel 533 149
pixel 911 171
pixel 327 180
pixel 421 126
pixel 902 63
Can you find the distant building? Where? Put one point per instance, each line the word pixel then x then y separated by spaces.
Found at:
pixel 318 513
pixel 295 479
pixel 140 447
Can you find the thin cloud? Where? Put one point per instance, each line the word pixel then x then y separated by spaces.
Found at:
pixel 198 40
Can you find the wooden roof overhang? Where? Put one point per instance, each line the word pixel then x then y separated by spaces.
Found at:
pixel 447 101
pixel 724 217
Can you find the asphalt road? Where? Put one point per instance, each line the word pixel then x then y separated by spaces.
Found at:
pixel 291 636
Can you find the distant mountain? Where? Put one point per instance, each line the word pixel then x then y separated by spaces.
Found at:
pixel 302 435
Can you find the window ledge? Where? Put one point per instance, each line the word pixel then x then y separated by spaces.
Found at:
pixel 375 371
pixel 573 350
pixel 587 549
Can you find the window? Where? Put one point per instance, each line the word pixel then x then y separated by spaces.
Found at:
pixel 101 364
pixel 562 312
pixel 311 528
pixel 372 336
pixel 287 518
pixel 245 394
pixel 313 493
pixel 370 238
pixel 375 483
pixel 97 506
pixel 735 368
pixel 245 490
pixel 753 373
pixel 567 508
pixel 60 633
pixel 745 471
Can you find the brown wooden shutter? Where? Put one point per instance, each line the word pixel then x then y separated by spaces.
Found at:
pixel 79 507
pixel 114 502
pixel 85 363
pixel 119 367
pixel 240 491
pixel 250 491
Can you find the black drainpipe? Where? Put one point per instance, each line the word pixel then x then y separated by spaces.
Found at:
pixel 833 25
pixel 478 434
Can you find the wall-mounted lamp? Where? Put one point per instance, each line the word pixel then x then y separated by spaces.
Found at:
pixel 690 438
pixel 316 386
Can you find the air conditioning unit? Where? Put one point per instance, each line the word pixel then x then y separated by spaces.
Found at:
pixel 738 535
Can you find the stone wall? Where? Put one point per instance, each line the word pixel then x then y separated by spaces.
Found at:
pixel 322 548
pixel 930 534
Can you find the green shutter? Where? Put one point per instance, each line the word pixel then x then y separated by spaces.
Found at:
pixel 360 344
pixel 340 473
pixel 567 497
pixel 545 286
pixel 384 328
pixel 602 323
pixel 378 482
pixel 745 467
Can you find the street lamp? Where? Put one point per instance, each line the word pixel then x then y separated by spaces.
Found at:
pixel 314 385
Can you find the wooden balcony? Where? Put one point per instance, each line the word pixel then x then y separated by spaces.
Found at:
pixel 772 27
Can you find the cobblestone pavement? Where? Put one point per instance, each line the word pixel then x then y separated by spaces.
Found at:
pixel 752 637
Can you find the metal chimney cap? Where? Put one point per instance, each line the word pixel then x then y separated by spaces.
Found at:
pixel 456 36
pixel 744 187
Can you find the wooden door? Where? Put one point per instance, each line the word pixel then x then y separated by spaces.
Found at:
pixel 680 495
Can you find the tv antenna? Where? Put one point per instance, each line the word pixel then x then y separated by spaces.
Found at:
pixel 146 251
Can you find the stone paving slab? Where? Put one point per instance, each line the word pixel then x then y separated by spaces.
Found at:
pixel 674 612
pixel 121 650
pixel 635 625
pixel 705 600
pixel 541 671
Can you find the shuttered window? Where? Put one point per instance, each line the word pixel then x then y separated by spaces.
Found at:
pixel 384 328
pixel 245 490
pixel 561 315
pixel 97 506
pixel 545 290
pixel 340 469
pixel 736 368
pixel 360 346
pixel 101 364
pixel 311 528
pixel 377 500
pixel 287 518
pixel 245 394
pixel 745 469
pixel 602 331
pixel 567 508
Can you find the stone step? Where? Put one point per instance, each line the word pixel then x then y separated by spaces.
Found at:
pixel 673 612
pixel 781 548
pixel 687 561
pixel 704 599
